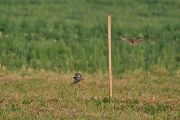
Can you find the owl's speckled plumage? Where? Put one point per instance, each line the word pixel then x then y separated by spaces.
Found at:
pixel 77 78
pixel 132 41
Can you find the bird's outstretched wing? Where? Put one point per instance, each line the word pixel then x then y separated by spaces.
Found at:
pixel 76 81
pixel 132 41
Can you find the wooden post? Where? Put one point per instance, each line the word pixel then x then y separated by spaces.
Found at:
pixel 109 52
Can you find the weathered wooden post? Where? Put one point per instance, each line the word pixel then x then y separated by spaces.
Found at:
pixel 109 54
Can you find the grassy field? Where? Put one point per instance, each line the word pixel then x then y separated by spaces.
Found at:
pixel 43 42
pixel 65 35
pixel 44 95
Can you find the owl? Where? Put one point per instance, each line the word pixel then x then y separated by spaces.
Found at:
pixel 77 78
pixel 132 41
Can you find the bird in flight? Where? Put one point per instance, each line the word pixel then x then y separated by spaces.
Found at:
pixel 132 41
pixel 77 78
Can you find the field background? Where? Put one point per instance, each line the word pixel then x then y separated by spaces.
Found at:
pixel 39 39
pixel 68 36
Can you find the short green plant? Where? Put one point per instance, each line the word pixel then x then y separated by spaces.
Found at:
pixel 155 109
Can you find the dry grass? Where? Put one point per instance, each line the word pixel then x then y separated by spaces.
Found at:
pixel 48 95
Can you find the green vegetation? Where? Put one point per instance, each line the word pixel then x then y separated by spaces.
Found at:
pixel 65 35
pixel 47 95
pixel 42 42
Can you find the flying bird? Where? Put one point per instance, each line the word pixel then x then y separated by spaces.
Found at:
pixel 132 41
pixel 77 78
